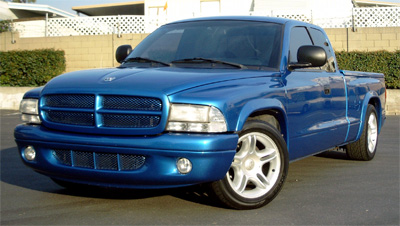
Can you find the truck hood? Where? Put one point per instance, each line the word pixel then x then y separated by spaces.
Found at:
pixel 144 81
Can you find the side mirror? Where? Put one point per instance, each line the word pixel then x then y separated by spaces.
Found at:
pixel 122 52
pixel 310 56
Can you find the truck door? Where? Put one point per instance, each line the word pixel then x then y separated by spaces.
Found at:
pixel 315 101
pixel 337 112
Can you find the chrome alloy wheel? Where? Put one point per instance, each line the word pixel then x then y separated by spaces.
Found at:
pixel 256 166
pixel 372 133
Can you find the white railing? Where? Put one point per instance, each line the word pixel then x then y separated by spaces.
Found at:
pixel 100 25
pixel 103 25
pixel 377 17
pixel 357 17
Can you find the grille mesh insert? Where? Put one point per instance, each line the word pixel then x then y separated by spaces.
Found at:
pixel 106 161
pixel 103 111
pixel 129 121
pixel 63 156
pixel 83 159
pixel 69 101
pixel 131 103
pixel 71 118
pixel 131 162
pixel 99 161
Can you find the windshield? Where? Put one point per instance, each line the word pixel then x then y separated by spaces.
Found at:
pixel 253 44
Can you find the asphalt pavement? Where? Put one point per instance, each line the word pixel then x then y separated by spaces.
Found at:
pixel 327 189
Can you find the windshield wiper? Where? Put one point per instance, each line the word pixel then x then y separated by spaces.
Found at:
pixel 202 60
pixel 145 60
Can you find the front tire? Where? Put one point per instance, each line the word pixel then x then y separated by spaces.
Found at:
pixel 365 147
pixel 258 170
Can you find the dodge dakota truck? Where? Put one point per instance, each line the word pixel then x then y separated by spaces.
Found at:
pixel 225 102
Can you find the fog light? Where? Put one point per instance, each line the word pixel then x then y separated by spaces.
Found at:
pixel 184 165
pixel 29 153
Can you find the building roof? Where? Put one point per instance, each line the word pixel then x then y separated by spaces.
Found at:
pixel 124 8
pixel 24 10
pixel 370 3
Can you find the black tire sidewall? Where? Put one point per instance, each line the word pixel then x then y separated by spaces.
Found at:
pixel 370 110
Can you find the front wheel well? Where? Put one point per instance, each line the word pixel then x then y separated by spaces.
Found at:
pixel 274 117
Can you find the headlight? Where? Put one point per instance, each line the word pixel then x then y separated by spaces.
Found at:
pixel 30 111
pixel 196 118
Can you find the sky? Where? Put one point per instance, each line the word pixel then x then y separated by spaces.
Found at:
pixel 66 5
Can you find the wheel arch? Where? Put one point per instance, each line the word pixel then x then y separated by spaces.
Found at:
pixel 261 108
pixel 373 99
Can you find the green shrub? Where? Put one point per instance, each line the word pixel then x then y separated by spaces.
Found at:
pixel 30 67
pixel 4 26
pixel 384 62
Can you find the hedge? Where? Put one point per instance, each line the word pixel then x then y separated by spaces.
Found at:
pixel 30 67
pixel 37 67
pixel 384 62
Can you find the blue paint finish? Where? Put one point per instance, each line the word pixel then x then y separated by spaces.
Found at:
pixel 317 109
pixel 234 98
pixel 211 156
pixel 33 93
pixel 362 87
pixel 256 106
pixel 347 108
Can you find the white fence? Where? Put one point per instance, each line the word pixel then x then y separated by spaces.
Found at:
pixel 377 17
pixel 358 17
pixel 101 25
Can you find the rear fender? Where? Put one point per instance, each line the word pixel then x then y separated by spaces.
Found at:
pixel 368 97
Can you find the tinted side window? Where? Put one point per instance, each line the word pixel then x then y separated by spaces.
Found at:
pixel 320 40
pixel 298 37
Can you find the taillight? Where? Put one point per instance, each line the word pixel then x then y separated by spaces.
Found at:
pixel 385 94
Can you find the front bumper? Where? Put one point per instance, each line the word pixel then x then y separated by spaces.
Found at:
pixel 211 156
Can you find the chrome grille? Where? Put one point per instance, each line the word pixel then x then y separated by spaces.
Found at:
pixel 99 161
pixel 100 112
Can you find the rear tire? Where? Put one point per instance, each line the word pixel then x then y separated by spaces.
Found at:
pixel 258 170
pixel 365 147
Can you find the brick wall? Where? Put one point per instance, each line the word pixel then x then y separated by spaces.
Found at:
pixel 81 52
pixel 365 39
pixel 98 51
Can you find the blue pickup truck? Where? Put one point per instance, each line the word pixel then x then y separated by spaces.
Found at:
pixel 222 101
